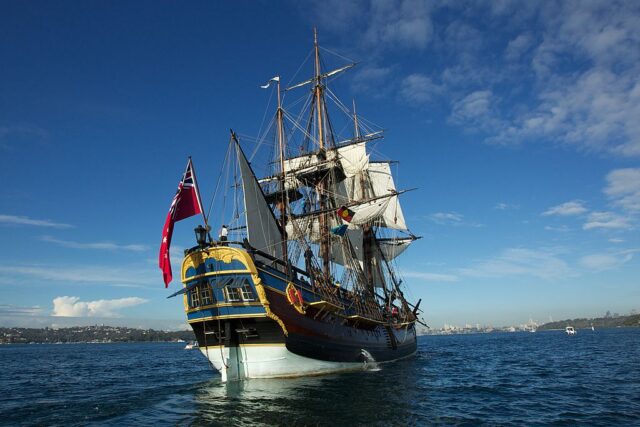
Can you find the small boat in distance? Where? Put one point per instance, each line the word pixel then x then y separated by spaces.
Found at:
pixel 570 330
pixel 191 345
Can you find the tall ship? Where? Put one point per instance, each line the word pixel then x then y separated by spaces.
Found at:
pixel 301 278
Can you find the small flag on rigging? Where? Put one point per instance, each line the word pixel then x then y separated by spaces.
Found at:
pixel 274 79
pixel 340 230
pixel 345 213
pixel 186 203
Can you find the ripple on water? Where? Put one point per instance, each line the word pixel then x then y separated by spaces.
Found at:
pixel 502 379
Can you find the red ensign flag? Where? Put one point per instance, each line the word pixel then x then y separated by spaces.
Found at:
pixel 185 203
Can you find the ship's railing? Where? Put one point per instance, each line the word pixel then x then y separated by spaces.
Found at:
pixel 346 299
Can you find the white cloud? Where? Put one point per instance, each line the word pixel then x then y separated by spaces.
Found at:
pixel 569 72
pixel 14 310
pixel 606 220
pixel 600 262
pixel 505 206
pixel 431 277
pixel 25 220
pixel 418 88
pixel 97 245
pixel 587 79
pixel 452 218
pixel 66 306
pixel 518 46
pixel 616 240
pixel 623 187
pixel 385 24
pixel 522 262
pixel 560 228
pixel 131 276
pixel 393 24
pixel 446 218
pixel 369 78
pixel 472 107
pixel 574 207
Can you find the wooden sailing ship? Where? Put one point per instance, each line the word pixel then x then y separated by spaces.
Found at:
pixel 304 284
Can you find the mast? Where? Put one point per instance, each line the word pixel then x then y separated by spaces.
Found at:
pixel 324 230
pixel 283 191
pixel 355 121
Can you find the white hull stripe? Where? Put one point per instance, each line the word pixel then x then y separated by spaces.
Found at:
pixel 271 361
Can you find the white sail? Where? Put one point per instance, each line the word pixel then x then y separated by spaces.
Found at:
pixel 348 190
pixel 263 232
pixel 337 252
pixel 304 227
pixel 382 183
pixel 353 158
pixel 290 183
pixel 392 248
pixel 370 211
pixel 376 270
pixel 309 163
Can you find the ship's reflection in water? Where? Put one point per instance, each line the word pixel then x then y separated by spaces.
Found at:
pixel 383 395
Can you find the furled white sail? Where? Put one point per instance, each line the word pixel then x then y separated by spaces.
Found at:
pixel 353 158
pixel 367 212
pixel 392 248
pixel 263 232
pixel 309 163
pixel 382 183
pixel 290 182
pixel 304 227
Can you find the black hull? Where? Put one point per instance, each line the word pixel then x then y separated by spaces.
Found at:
pixel 330 339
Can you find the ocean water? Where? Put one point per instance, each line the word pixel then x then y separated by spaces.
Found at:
pixel 546 378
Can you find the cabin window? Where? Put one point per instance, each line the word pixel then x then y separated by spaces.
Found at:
pixel 238 290
pixel 200 295
pixel 205 294
pixel 233 294
pixel 247 291
pixel 195 297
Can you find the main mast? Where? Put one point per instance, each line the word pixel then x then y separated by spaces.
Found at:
pixel 320 188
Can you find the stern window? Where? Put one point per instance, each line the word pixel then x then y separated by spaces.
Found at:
pixel 195 297
pixel 200 295
pixel 247 291
pixel 240 290
pixel 233 294
pixel 205 295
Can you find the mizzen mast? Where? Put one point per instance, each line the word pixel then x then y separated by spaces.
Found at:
pixel 283 202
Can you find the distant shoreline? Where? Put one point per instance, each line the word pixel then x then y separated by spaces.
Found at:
pixel 90 335
pixel 607 322
pixel 632 320
pixel 89 342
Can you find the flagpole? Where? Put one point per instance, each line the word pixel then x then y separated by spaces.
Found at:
pixel 195 183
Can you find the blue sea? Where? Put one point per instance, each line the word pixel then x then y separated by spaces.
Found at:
pixel 543 378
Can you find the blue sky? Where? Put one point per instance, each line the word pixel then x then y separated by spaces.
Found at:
pixel 518 121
